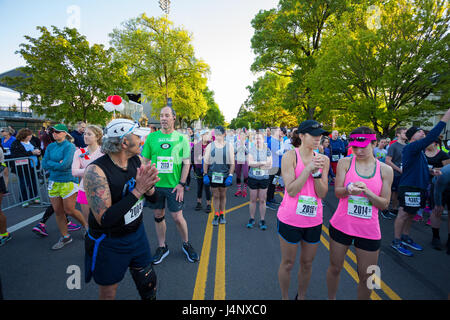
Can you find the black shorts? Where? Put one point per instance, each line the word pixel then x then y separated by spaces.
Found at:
pixel 411 199
pixel 294 235
pixel 395 183
pixel 2 185
pixel 258 184
pixel 360 243
pixel 172 203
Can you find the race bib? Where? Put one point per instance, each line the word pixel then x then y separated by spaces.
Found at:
pixel 134 212
pixel 412 199
pixel 335 157
pixel 164 164
pixel 217 177
pixel 307 206
pixel 359 207
pixel 259 172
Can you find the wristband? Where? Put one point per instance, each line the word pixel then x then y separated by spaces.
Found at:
pixel 346 187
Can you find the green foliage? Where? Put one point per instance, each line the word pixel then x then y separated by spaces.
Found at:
pixel 161 63
pixel 70 80
pixel 213 117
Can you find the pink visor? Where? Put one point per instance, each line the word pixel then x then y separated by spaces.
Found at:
pixel 361 140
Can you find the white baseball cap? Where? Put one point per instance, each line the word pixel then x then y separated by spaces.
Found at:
pixel 122 127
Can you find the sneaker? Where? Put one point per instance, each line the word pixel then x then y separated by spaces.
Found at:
pixel 407 241
pixel 208 208
pixel 270 205
pixel 26 204
pixel 191 255
pixel 244 193
pixel 397 245
pixel 436 244
pixel 198 207
pixel 238 193
pixel 251 223
pixel 3 240
pixel 37 200
pixel 62 242
pixel 215 221
pixel 161 253
pixel 222 219
pixel 73 226
pixel 417 218
pixel 40 230
pixel 428 222
pixel 385 215
pixel 262 225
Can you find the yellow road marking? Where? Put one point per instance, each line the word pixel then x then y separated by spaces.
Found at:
pixel 219 286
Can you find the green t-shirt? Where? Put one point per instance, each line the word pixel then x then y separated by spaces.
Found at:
pixel 167 151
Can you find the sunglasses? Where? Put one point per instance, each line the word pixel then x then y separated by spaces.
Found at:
pixel 358 139
pixel 316 126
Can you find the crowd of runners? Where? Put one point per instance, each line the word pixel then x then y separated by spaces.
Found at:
pixel 114 173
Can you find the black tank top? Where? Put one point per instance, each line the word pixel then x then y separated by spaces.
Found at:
pixel 119 181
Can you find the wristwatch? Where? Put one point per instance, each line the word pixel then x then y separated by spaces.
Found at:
pixel 317 175
pixel 183 184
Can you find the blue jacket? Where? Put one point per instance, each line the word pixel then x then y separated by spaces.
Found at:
pixel 58 160
pixel 79 139
pixel 338 147
pixel 414 163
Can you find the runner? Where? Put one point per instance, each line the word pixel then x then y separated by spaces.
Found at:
pixel 116 185
pixel 363 186
pixel 394 160
pixel 62 189
pixel 241 165
pixel 197 159
pixel 218 171
pixel 337 150
pixel 413 184
pixel 4 234
pixel 170 151
pixel 305 174
pixel 259 161
pixel 82 158
pixel 441 198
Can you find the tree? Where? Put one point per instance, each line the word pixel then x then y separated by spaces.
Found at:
pixel 69 79
pixel 382 75
pixel 161 63
pixel 214 116
pixel 287 41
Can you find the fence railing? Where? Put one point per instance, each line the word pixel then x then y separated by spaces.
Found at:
pixel 26 184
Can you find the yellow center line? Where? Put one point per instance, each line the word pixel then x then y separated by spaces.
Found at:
pixel 219 285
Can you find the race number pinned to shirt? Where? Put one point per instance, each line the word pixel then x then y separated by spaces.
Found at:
pixel 217 177
pixel 335 157
pixel 412 199
pixel 307 206
pixel 359 207
pixel 134 212
pixel 164 164
pixel 259 172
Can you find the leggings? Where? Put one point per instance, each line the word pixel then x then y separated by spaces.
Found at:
pixel 200 185
pixel 48 213
pixel 241 168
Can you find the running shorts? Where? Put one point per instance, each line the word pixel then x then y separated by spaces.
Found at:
pixel 162 195
pixel 258 184
pixel 61 189
pixel 294 235
pixel 347 240
pixel 411 199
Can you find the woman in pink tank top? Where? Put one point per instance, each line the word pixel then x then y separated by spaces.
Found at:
pixel 305 175
pixel 363 186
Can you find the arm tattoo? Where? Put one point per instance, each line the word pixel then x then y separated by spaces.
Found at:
pixel 97 190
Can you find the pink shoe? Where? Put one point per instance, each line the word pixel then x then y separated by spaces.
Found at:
pixel 428 222
pixel 238 193
pixel 244 193
pixel 417 218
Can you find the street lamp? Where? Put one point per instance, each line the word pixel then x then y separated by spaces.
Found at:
pixel 165 5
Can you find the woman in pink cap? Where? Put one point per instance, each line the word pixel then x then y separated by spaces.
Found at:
pixel 363 187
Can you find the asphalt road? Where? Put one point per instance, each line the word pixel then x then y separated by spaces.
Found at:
pixel 236 263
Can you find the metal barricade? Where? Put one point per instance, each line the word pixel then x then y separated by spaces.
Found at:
pixel 26 184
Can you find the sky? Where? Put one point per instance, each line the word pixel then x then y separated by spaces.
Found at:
pixel 221 31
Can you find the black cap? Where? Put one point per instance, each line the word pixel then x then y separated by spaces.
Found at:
pixel 311 127
pixel 411 131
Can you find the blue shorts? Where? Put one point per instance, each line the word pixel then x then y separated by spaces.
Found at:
pixel 115 255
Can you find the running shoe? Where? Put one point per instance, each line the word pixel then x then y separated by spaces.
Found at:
pixel 63 241
pixel 161 253
pixel 198 207
pixel 222 219
pixel 251 223
pixel 4 239
pixel 37 200
pixel 385 215
pixel 208 208
pixel 40 230
pixel 262 225
pixel 428 222
pixel 26 204
pixel 215 221
pixel 407 241
pixel 73 226
pixel 397 245
pixel 417 218
pixel 191 255
pixel 244 193
pixel 436 244
pixel 271 205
